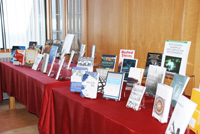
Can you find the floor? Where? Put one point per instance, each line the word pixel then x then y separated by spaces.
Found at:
pixel 17 121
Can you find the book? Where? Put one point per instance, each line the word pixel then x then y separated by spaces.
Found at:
pixel 30 57
pixel 179 83
pixel 135 97
pixel 37 61
pixel 52 53
pixel 45 63
pixel 89 85
pixel 155 75
pixel 125 53
pixel 39 48
pixel 82 50
pixel 152 59
pixel 134 77
pixel 19 57
pixel 194 123
pixel 76 78
pixel 32 44
pixel 13 52
pixel 86 62
pixel 175 56
pixel 68 43
pixel 102 79
pixel 60 67
pixel 108 62
pixel 181 116
pixel 126 65
pixel 113 87
pixel 162 102
pixel 93 51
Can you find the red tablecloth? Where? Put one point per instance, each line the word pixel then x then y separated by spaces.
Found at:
pixel 68 113
pixel 26 85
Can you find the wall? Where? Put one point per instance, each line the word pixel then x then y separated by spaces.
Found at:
pixel 143 25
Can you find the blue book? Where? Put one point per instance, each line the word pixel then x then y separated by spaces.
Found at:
pixel 52 53
pixel 13 52
pixel 108 62
pixel 89 85
pixel 76 78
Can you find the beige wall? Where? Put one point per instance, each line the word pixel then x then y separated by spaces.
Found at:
pixel 143 25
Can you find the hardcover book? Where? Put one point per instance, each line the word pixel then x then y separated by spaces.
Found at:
pixel 52 53
pixel 37 61
pixel 76 78
pixel 102 79
pixel 126 65
pixel 194 123
pixel 181 116
pixel 45 63
pixel 89 85
pixel 155 75
pixel 179 83
pixel 86 62
pixel 124 53
pixel 162 102
pixel 152 59
pixel 134 77
pixel 30 57
pixel 113 87
pixel 19 57
pixel 135 97
pixel 175 56
pixel 108 62
pixel 13 52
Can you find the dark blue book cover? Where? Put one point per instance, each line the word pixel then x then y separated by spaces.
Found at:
pixel 13 52
pixel 108 62
pixel 52 53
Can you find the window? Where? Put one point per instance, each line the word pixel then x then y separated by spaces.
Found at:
pixel 24 21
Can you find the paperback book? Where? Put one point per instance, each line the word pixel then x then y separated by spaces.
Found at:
pixel 124 53
pixel 152 59
pixel 86 62
pixel 76 78
pixel 45 63
pixel 135 97
pixel 52 53
pixel 89 85
pixel 126 65
pixel 175 56
pixel 19 57
pixel 162 102
pixel 113 87
pixel 155 75
pixel 32 44
pixel 134 77
pixel 179 83
pixel 102 79
pixel 13 52
pixel 108 62
pixel 37 61
pixel 181 116
pixel 30 57
pixel 67 43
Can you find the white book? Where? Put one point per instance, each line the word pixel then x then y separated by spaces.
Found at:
pixel 37 61
pixel 155 75
pixel 175 56
pixel 162 102
pixel 67 43
pixel 45 63
pixel 181 116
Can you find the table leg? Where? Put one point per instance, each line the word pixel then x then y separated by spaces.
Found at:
pixel 12 102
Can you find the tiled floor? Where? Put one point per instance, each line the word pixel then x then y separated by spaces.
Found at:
pixel 17 121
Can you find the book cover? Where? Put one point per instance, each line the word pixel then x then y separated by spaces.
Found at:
pixel 86 62
pixel 108 62
pixel 135 97
pixel 76 78
pixel 52 53
pixel 68 43
pixel 175 56
pixel 45 63
pixel 134 77
pixel 125 53
pixel 89 85
pixel 194 123
pixel 32 44
pixel 37 61
pixel 162 102
pixel 19 57
pixel 181 116
pixel 47 48
pixel 179 83
pixel 13 51
pixel 152 59
pixel 102 79
pixel 30 57
pixel 155 75
pixel 39 48
pixel 113 87
pixel 126 65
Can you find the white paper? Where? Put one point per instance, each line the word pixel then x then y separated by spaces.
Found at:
pixel 37 61
pixel 60 67
pixel 68 43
